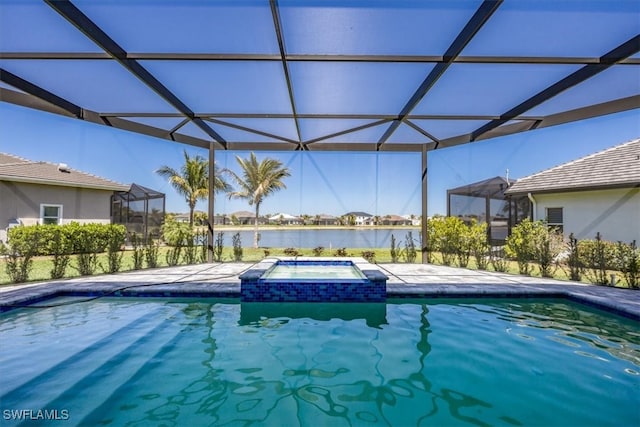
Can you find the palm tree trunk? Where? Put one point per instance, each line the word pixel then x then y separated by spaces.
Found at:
pixel 255 230
pixel 192 207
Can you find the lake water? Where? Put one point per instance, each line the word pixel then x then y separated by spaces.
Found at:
pixel 329 238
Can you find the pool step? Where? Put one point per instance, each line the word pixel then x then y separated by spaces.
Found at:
pixel 150 398
pixel 104 380
pixel 65 376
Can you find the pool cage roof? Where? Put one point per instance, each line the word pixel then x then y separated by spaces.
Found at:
pixel 352 75
pixel 492 188
pixel 138 192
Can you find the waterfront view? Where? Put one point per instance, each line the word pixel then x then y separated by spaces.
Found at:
pixel 327 238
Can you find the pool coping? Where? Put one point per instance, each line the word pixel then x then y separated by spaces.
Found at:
pixel 221 281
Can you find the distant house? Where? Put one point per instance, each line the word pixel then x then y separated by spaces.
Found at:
pixel 245 218
pixel 181 217
pixel 596 193
pixel 324 219
pixel 394 220
pixel 360 218
pixel 415 219
pixel 46 193
pixel 284 219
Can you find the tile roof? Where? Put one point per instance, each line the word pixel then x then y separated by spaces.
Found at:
pixel 243 214
pixel 13 168
pixel 614 167
pixel 359 213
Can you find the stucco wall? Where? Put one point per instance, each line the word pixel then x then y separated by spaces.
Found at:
pixel 613 213
pixel 22 201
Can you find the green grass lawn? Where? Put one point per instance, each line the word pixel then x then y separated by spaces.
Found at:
pixel 41 268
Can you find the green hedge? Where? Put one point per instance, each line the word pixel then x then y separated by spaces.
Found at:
pixel 81 238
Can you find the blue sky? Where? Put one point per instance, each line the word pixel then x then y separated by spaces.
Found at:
pixel 321 182
pixel 333 183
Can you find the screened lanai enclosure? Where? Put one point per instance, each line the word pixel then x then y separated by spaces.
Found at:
pixel 485 201
pixel 140 209
pixel 322 75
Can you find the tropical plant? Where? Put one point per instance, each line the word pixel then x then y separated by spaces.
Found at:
pixel 258 180
pixel 192 180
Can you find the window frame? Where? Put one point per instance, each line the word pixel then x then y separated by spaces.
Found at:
pixel 557 225
pixel 43 218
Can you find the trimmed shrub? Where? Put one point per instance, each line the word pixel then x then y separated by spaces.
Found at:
pixel 409 252
pixel 190 249
pixel 292 252
pixel 218 247
pixel 317 251
pixel 627 258
pixel 574 259
pixel 479 244
pixel 138 251
pixel 88 241
pixel 498 260
pixel 598 257
pixel 61 248
pixel 369 256
pixel 115 241
pixel 202 238
pixel 394 250
pixel 521 243
pixel 548 244
pixel 341 252
pixel 20 253
pixel 237 247
pixel 447 237
pixel 151 250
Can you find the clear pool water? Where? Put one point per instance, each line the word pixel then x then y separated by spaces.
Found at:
pixel 142 362
pixel 313 270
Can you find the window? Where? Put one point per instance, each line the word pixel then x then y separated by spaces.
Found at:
pixel 51 214
pixel 555 218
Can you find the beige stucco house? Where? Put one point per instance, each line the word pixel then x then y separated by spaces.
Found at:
pixel 44 193
pixel 596 193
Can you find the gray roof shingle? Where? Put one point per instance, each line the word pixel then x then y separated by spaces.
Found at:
pixel 614 167
pixel 13 168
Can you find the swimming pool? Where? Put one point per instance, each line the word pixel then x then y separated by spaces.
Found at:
pixel 152 361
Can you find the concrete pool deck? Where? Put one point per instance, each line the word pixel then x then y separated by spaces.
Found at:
pixel 405 281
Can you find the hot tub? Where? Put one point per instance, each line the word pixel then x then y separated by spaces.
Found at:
pixel 313 281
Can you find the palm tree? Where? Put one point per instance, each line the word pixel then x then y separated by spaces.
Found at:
pixel 259 180
pixel 192 181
